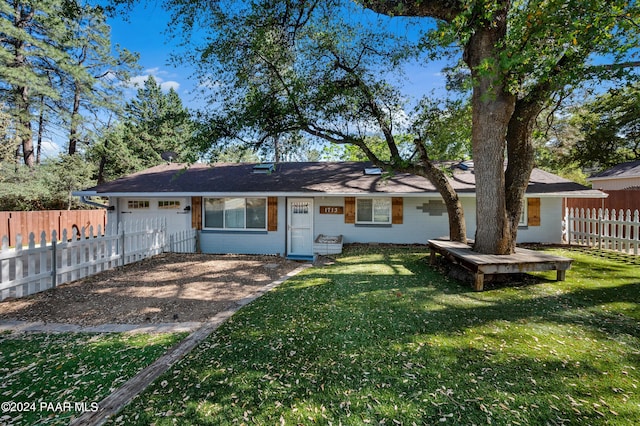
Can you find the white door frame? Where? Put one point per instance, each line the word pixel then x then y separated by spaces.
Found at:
pixel 305 247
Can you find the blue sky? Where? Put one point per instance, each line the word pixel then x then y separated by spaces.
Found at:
pixel 143 32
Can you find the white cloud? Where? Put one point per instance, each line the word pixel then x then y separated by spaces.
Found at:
pixel 165 84
pixel 137 81
pixel 50 149
pixel 155 72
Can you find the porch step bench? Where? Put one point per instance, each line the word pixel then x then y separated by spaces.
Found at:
pixel 480 264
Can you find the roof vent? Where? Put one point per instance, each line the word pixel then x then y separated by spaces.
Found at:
pixel 169 156
pixel 372 171
pixel 465 165
pixel 264 168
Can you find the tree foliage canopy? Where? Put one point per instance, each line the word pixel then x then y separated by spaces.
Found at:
pixel 319 66
pixel 58 70
pixel 46 187
pixel 521 55
pixel 610 129
pixel 154 123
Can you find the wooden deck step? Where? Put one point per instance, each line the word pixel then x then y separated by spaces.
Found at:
pixel 522 260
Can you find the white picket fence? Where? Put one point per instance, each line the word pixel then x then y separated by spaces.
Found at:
pixel 604 229
pixel 36 267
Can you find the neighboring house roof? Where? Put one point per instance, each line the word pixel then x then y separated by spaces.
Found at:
pixel 311 178
pixel 630 169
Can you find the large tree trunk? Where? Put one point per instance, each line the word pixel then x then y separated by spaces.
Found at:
pixel 20 92
pixel 492 106
pixel 457 225
pixel 492 109
pixel 455 212
pixel 520 153
pixel 520 150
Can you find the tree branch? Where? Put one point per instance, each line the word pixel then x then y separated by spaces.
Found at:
pixel 446 10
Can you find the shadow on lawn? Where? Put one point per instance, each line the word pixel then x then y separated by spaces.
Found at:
pixel 397 341
pixel 50 369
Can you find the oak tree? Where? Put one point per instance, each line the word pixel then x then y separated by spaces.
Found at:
pixel 520 54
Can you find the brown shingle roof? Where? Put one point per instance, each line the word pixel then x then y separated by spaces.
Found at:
pixel 311 178
pixel 622 170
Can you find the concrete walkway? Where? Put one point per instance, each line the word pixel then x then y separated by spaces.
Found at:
pixel 118 399
pixel 50 327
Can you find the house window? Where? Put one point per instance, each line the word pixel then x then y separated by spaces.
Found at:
pixel 373 210
pixel 523 214
pixel 168 204
pixel 138 204
pixel 235 213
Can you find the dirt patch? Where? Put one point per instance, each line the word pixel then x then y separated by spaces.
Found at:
pixel 165 288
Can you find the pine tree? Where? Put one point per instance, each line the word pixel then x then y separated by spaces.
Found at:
pixel 53 51
pixel 154 123
pixel 158 123
pixel 94 87
pixel 26 57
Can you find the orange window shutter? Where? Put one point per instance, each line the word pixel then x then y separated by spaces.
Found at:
pixel 196 213
pixel 533 211
pixel 349 210
pixel 272 214
pixel 396 210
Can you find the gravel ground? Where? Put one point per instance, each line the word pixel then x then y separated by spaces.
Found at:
pixel 165 288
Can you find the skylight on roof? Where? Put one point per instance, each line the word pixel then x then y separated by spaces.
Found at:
pixel 372 171
pixel 264 168
pixel 465 165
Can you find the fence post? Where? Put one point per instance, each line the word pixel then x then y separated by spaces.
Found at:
pixel 44 284
pixel 54 257
pixel 4 268
pixel 121 241
pixel 600 230
pixel 31 264
pixel 565 226
pixel 635 230
pixel 18 265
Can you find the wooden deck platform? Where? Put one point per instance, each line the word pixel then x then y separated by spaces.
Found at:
pixel 480 264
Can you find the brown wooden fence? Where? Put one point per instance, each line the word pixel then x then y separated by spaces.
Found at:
pixel 624 199
pixel 23 223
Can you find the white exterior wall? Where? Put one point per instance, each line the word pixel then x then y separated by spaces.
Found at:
pixel 417 227
pixel 615 184
pixel 550 229
pixel 243 242
pixel 177 219
pixel 248 242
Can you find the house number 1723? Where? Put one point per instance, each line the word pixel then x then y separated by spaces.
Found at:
pixel 331 210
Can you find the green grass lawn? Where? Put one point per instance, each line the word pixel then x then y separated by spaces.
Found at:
pixel 48 378
pixel 382 337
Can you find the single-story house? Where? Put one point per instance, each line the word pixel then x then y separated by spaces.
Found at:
pixel 283 208
pixel 622 176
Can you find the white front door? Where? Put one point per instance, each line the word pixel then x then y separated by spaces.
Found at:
pixel 300 226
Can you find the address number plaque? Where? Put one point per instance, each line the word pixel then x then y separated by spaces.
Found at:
pixel 331 210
